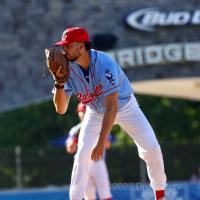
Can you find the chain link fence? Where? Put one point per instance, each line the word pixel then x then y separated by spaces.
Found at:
pixel 34 167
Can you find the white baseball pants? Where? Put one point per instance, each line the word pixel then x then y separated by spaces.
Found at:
pixel 98 182
pixel 133 121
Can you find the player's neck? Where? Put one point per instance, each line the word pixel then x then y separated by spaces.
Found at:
pixel 84 60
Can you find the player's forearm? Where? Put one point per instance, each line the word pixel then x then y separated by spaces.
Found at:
pixel 60 101
pixel 108 120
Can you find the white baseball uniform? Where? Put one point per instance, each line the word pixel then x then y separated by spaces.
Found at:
pixel 98 176
pixel 105 77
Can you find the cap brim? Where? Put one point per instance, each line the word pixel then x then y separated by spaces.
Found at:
pixel 62 43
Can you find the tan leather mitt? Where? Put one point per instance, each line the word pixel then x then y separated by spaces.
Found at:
pixel 57 64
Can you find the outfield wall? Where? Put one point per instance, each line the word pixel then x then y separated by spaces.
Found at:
pixel 175 191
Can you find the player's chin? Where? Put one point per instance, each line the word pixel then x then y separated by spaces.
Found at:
pixel 71 59
pixel 66 55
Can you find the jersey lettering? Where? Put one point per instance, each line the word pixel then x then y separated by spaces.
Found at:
pixel 90 97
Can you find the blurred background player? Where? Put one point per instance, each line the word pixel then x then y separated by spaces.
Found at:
pixel 196 175
pixel 98 176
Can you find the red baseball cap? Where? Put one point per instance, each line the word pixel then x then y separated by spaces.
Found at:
pixel 73 34
pixel 81 108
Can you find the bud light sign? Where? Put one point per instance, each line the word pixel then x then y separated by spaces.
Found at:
pixel 148 19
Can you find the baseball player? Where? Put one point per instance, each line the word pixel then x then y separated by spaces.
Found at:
pixel 99 82
pixel 98 175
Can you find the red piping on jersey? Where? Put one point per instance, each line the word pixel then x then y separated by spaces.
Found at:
pixel 93 105
pixel 92 75
pixel 97 89
pixel 81 80
pixel 111 89
pixel 92 95
pixel 93 64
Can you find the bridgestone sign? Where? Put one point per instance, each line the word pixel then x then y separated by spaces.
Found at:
pixel 157 54
pixel 148 19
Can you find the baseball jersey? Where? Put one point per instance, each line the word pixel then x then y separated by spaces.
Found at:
pixel 104 78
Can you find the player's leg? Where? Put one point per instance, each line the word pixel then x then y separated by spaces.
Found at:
pixel 88 137
pixel 133 121
pixel 99 173
pixel 90 193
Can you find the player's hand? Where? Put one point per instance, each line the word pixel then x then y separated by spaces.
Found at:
pixel 97 152
pixel 107 143
pixel 57 64
pixel 71 147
